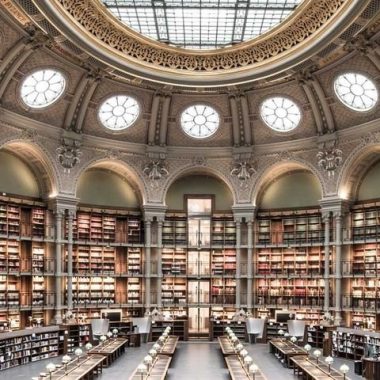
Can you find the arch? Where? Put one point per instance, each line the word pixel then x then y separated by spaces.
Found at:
pixel 121 169
pixel 198 171
pixel 274 171
pixel 38 161
pixel 356 166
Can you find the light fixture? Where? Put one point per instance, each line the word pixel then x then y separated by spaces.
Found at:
pixel 65 360
pixel 307 348
pixel 78 352
pixel 103 338
pixel 115 332
pixel 153 353
pixel 88 346
pixel 248 361
pixel 51 368
pixel 109 334
pixel 142 369
pixel 281 332
pixel 239 347
pixel 286 335
pixel 329 360
pixel 148 360
pixel 317 354
pixel 243 353
pixel 344 368
pixel 157 347
pixel 253 369
pixel 293 339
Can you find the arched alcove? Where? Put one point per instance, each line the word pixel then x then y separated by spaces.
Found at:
pixel 199 184
pixel 298 188
pixel 103 187
pixel 369 187
pixel 16 177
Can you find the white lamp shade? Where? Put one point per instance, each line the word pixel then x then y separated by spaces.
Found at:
pixel 243 353
pixel 88 346
pixel 141 368
pixel 293 339
pixel 329 360
pixel 307 347
pixel 253 368
pixel 156 346
pixel 115 331
pixel 103 338
pixel 248 360
pixel 78 352
pixel 51 367
pixel 280 332
pixel 109 334
pixel 317 353
pixel 148 360
pixel 152 352
pixel 66 359
pixel 344 368
pixel 239 347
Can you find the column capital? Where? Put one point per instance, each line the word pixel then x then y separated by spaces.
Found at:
pixel 334 205
pixel 63 202
pixel 154 211
pixel 244 211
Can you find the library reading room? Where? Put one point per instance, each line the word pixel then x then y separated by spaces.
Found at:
pixel 189 189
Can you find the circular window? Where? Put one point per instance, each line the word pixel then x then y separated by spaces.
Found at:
pixel 119 112
pixel 200 121
pixel 280 114
pixel 42 88
pixel 356 91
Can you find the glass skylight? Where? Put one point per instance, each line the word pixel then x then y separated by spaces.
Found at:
pixel 42 88
pixel 356 91
pixel 200 121
pixel 280 114
pixel 119 112
pixel 201 24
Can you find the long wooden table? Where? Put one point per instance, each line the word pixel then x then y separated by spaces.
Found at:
pixel 237 370
pixel 226 346
pixel 308 369
pixel 158 371
pixel 111 350
pixel 170 346
pixel 286 350
pixel 87 368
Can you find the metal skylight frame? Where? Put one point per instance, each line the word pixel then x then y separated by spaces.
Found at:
pixel 201 24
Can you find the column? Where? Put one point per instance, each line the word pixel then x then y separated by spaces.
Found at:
pixel 326 221
pixel 153 119
pixel 164 120
pixel 246 123
pixel 70 218
pixel 147 226
pixel 235 121
pixel 159 262
pixel 338 268
pixel 58 266
pixel 249 264
pixel 238 262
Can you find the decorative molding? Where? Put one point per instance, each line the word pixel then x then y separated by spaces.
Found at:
pixel 68 153
pixel 155 170
pixel 243 170
pixel 330 158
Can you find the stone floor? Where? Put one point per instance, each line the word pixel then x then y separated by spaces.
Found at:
pixel 192 361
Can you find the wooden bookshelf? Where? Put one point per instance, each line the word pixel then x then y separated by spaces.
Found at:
pixel 174 261
pixel 174 291
pixel 174 230
pixel 223 291
pixel 76 335
pixel 218 326
pixel 179 327
pixel 134 293
pixel 26 346
pixel 223 262
pixel 223 230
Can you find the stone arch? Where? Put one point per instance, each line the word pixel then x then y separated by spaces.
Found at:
pixel 275 170
pixel 39 161
pixel 355 168
pixel 201 170
pixel 120 168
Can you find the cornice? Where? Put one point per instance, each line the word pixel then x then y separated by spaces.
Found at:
pixel 293 42
pixel 21 122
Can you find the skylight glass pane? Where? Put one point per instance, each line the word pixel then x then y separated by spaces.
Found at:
pixel 201 24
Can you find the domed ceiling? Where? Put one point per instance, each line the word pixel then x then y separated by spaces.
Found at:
pixel 201 24
pixel 200 43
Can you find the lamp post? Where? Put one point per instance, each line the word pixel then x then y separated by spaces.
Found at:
pixel 307 348
pixel 248 361
pixel 317 354
pixel 344 368
pixel 142 370
pixel 293 339
pixel 65 360
pixel 51 368
pixel 102 339
pixel 88 347
pixel 78 352
pixel 329 360
pixel 243 353
pixel 115 332
pixel 148 360
pixel 253 369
